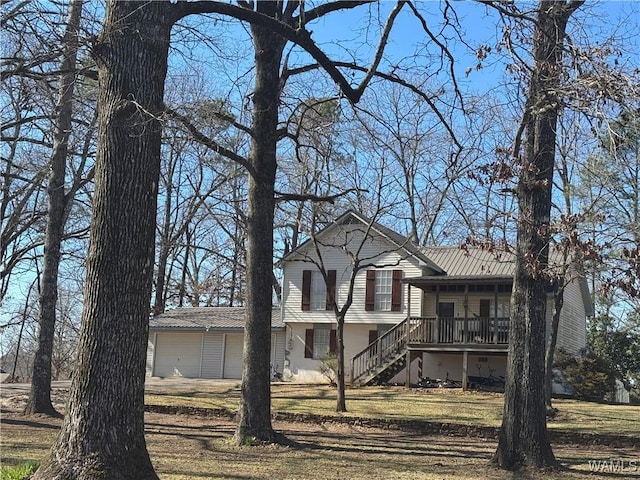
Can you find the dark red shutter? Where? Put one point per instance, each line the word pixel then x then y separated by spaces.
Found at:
pixel 370 293
pixel 308 343
pixel 306 290
pixel 373 336
pixel 331 289
pixel 396 291
pixel 333 342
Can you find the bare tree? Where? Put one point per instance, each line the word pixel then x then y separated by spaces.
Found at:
pixel 40 393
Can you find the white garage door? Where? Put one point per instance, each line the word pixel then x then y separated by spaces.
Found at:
pixel 178 354
pixel 233 347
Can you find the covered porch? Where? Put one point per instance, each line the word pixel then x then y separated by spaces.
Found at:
pixel 464 314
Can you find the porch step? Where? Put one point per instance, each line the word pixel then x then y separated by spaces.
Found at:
pixel 384 372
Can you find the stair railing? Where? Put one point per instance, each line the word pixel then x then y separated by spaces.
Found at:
pixel 376 353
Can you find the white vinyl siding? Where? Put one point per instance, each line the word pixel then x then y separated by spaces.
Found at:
pixel 151 347
pixel 277 351
pixel 572 327
pixel 336 259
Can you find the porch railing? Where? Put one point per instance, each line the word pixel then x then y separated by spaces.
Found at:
pixel 428 331
pixel 444 330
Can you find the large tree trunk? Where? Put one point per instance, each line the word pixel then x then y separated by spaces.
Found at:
pixel 103 432
pixel 255 405
pixel 40 394
pixel 523 439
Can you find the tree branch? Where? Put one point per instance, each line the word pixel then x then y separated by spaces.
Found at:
pixel 208 141
pixel 285 197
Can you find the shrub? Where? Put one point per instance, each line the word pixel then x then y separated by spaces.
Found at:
pixel 329 368
pixel 18 472
pixel 592 377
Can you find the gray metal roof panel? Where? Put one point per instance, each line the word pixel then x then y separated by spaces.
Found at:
pixel 457 261
pixel 207 318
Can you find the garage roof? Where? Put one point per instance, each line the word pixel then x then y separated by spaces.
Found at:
pixel 207 318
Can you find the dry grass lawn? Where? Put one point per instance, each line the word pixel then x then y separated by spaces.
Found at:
pixel 199 447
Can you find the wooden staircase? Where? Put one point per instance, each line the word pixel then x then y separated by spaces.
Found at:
pixel 383 359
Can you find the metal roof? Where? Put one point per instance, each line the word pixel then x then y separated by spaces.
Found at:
pixel 207 318
pixel 472 262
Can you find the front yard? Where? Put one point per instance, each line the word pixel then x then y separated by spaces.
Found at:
pixel 369 442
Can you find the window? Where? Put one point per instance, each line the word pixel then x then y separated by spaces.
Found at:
pixel 488 308
pixel 320 341
pixel 316 293
pixel 446 309
pixel 504 309
pixel 384 290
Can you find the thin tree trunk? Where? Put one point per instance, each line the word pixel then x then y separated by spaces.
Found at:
pixel 40 393
pixel 255 404
pixel 341 403
pixel 163 255
pixel 102 436
pixel 558 302
pixel 523 440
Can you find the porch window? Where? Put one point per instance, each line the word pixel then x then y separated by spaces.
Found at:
pixel 503 310
pixel 488 308
pixel 384 290
pixel 320 341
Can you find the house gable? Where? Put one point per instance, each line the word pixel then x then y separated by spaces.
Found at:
pixel 378 249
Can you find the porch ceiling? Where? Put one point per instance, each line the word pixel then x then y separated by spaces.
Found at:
pixel 431 280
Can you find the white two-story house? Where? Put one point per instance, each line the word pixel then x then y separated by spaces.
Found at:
pixel 443 311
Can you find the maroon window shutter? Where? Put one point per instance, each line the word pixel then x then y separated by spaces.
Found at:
pixel 370 293
pixel 373 336
pixel 333 342
pixel 308 343
pixel 306 290
pixel 396 291
pixel 331 289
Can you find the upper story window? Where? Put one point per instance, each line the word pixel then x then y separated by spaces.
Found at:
pixel 384 290
pixel 318 294
pixel 318 291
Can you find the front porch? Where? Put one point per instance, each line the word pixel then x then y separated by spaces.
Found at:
pixel 394 350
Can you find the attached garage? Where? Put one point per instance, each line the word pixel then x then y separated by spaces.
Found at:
pixel 178 354
pixel 204 343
